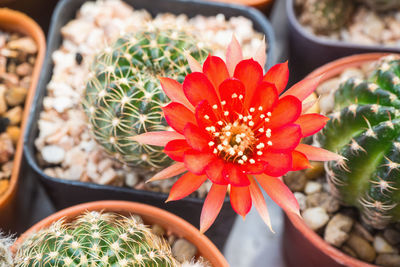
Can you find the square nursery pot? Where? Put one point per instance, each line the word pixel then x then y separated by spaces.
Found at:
pixel 65 193
pixel 302 246
pixel 307 51
pixel 14 21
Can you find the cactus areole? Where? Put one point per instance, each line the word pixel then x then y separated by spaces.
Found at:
pixel 365 129
pixel 123 97
pixel 232 127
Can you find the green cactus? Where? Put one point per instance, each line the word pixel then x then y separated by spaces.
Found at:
pixel 124 96
pixel 6 258
pixel 325 16
pixel 365 129
pixel 95 239
pixel 382 5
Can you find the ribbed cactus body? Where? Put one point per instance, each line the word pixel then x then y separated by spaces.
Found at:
pixel 124 96
pixel 382 5
pixel 95 239
pixel 325 16
pixel 365 129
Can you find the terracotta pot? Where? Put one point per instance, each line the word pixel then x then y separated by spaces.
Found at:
pixel 263 5
pixel 301 245
pixel 150 215
pixel 14 21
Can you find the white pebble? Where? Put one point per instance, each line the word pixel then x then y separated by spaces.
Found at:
pixel 382 246
pixel 53 154
pixel 315 218
pixel 312 187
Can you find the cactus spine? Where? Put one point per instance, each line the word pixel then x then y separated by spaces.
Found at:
pixel 124 96
pixel 325 16
pixel 95 239
pixel 365 129
pixel 6 258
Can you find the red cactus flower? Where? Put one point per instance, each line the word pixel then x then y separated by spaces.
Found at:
pixel 235 126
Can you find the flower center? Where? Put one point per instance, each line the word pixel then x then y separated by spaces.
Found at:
pixel 241 141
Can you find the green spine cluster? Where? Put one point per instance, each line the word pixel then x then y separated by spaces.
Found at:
pixel 325 16
pixel 123 97
pixel 95 239
pixel 382 5
pixel 365 129
pixel 6 258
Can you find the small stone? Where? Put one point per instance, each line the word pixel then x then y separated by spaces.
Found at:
pixel 361 231
pixel 14 132
pixel 3 186
pixel 327 103
pixel 315 218
pixel 131 179
pixel 296 181
pixel 24 44
pixel 24 69
pixel 108 176
pixel 328 86
pixel 158 230
pixel 349 251
pixel 351 73
pixel 6 148
pixel 53 154
pixel 361 247
pixel 324 200
pixel 316 171
pixel 60 104
pixel 382 246
pixel 3 103
pixel 104 165
pixel 392 236
pixel 388 260
pixel 14 115
pixel 73 173
pixel 312 187
pixel 314 108
pixel 16 96
pixel 183 250
pixel 301 199
pixel 337 230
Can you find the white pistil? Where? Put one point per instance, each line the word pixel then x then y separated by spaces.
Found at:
pixel 215 106
pixel 234 95
pixel 269 143
pixel 262 116
pixel 232 151
pixel 211 143
pixel 269 114
pixel 251 123
pixel 220 147
pixel 223 103
pixel 228 133
pixel 206 117
pixel 220 123
pixel 240 153
pixel 240 161
pixel 226 113
pixel 225 142
pixel 215 151
pixel 240 97
pixel 244 157
pixel 252 109
pixel 252 161
pixel 259 153
pixel 261 130
pixel 266 119
pixel 260 108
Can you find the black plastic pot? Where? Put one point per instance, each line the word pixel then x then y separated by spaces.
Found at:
pixel 307 51
pixel 64 193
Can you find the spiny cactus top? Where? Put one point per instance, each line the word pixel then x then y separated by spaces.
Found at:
pixel 124 96
pixel 365 129
pixel 95 239
pixel 234 128
pixel 327 15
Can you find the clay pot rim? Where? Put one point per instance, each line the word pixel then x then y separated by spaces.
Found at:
pixel 328 71
pixel 253 3
pixel 15 21
pixel 149 214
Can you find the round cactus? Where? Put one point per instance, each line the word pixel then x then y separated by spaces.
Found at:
pixel 124 96
pixel 365 129
pixel 381 5
pixel 325 16
pixel 6 258
pixel 95 239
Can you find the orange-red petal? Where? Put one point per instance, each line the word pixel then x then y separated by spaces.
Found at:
pixel 194 65
pixel 235 175
pixel 261 54
pixel 311 123
pixel 171 171
pixel 157 138
pixel 186 185
pixel 285 138
pixel 196 138
pixel 317 153
pixel 233 55
pixel 250 73
pixel 212 206
pixel 300 161
pixel 259 202
pixel 279 193
pixel 177 116
pixel 196 161
pixel 303 89
pixel 278 163
pixel 214 172
pixel 240 200
pixel 205 115
pixel 266 97
pixel 174 90
pixel 286 111
pixel 197 87
pixel 230 91
pixel 278 75
pixel 175 149
pixel 215 70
